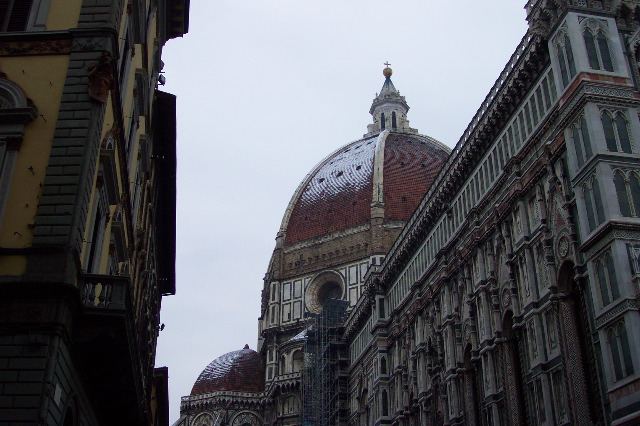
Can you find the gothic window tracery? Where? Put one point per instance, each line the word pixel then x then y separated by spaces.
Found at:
pixel 204 419
pixel 290 405
pixel 628 191
pixel 581 141
pixel 565 57
pixel 246 418
pixel 597 44
pixel 616 131
pixel 606 277
pixel 620 351
pixel 593 203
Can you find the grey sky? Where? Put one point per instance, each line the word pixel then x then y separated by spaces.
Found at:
pixel 266 89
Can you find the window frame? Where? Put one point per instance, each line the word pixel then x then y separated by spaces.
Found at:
pixel 606 279
pixel 601 45
pixel 632 203
pixel 566 59
pixel 615 130
pixel 579 133
pixel 620 351
pixel 36 19
pixel 590 196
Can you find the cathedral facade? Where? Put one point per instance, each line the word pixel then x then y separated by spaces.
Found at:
pixel 87 209
pixel 497 283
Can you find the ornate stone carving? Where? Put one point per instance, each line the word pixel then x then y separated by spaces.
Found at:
pixel 35 47
pixel 506 298
pixel 563 245
pixel 245 418
pixel 88 44
pixel 101 78
pixel 617 311
pixel 204 419
pixel 634 258
pixel 608 91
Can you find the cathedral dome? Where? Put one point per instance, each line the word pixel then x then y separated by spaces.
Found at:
pixel 237 371
pixel 391 169
pixel 382 176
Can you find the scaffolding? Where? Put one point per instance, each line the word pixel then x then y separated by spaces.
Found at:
pixel 324 381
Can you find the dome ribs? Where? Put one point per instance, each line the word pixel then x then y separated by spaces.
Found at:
pixel 338 195
pixel 410 167
pixel 238 371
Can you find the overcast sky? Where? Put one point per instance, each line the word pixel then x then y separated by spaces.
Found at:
pixel 266 89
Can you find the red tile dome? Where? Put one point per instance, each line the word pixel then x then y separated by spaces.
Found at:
pixel 237 371
pixel 339 192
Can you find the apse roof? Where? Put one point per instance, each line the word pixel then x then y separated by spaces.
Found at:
pixel 238 371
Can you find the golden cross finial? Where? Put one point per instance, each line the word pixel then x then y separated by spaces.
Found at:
pixel 387 64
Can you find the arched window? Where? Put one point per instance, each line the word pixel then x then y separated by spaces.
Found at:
pixel 15 114
pixel 290 405
pixel 628 192
pixel 606 277
pixel 69 418
pixel 597 44
pixel 383 366
pixel 593 203
pixel 283 365
pixel 99 217
pixel 620 351
pixel 619 180
pixel 565 58
pixel 581 141
pixel 616 131
pixel 385 404
pixel 297 361
pixel 382 121
pixel 394 124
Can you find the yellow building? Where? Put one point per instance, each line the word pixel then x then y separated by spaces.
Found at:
pixel 87 209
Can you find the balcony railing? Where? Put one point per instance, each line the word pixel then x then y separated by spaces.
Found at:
pixel 105 292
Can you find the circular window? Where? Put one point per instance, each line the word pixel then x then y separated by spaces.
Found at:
pixel 327 285
pixel 329 290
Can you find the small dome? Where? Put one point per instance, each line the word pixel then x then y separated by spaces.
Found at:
pixel 238 371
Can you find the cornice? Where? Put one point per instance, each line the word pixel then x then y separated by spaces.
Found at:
pixel 507 93
pixel 57 42
pixel 502 100
pixel 545 15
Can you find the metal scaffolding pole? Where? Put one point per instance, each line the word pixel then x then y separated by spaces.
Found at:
pixel 323 396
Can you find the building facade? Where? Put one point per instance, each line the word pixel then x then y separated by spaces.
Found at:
pixel 510 295
pixel 87 209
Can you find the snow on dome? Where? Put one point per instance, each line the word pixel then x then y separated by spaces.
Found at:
pixel 339 191
pixel 237 371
